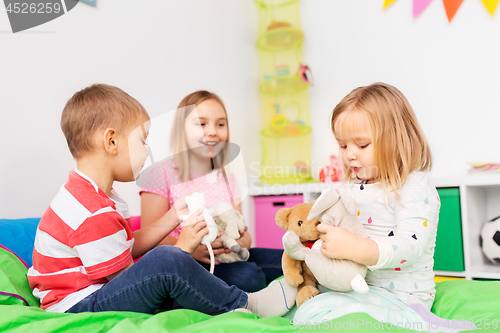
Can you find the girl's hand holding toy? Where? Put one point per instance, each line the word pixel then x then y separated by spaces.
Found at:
pixel 201 254
pixel 340 243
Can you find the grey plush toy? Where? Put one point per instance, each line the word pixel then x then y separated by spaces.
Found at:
pixel 230 221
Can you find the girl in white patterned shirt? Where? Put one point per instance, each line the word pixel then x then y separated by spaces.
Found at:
pixel 385 154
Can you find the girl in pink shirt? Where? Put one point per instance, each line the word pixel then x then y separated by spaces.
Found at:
pixel 199 136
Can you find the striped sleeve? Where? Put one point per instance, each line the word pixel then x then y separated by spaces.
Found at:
pixel 103 243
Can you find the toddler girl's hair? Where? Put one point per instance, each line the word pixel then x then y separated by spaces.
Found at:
pixel 398 141
pixel 178 143
pixel 98 107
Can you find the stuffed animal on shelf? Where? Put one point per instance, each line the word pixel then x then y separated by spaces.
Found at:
pixel 278 24
pixel 301 243
pixel 333 172
pixel 230 222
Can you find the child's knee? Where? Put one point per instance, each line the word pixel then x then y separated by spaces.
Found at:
pixel 168 255
pixel 250 277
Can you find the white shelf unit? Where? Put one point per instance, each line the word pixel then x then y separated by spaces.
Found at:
pixel 479 201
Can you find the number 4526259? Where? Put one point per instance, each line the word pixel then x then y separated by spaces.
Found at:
pixel 33 8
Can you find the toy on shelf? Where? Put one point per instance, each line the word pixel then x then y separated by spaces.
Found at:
pixel 300 168
pixel 282 70
pixel 305 74
pixel 484 167
pixel 286 85
pixel 278 24
pixel 490 240
pixel 278 119
pixel 333 172
pixel 280 35
pixel 282 126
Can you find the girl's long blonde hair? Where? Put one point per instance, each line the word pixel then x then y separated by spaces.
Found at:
pixel 399 143
pixel 178 143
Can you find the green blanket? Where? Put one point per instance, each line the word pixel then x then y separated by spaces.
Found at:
pixel 476 301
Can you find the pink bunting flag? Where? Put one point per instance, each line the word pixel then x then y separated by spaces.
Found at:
pixel 419 6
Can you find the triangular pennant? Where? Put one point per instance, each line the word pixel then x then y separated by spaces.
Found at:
pixel 90 2
pixel 419 6
pixel 451 7
pixel 23 17
pixel 387 3
pixel 491 5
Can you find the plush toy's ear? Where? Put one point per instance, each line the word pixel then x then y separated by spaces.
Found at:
pixel 239 215
pixel 327 199
pixel 347 199
pixel 241 221
pixel 232 229
pixel 282 217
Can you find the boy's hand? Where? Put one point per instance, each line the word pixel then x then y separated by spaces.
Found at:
pixel 192 232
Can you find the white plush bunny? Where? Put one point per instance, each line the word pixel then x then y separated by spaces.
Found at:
pixel 194 202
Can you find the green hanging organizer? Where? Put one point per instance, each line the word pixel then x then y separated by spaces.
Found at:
pixel 286 133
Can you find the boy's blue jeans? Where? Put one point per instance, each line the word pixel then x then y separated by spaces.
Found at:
pixel 162 275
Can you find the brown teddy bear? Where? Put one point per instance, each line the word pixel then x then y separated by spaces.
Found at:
pixel 296 272
pixel 303 263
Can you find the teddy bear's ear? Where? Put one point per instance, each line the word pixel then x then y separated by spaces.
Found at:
pixel 282 217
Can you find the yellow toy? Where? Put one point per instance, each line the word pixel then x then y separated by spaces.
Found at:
pixel 277 119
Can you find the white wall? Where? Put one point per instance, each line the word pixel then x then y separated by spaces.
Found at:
pixel 449 72
pixel 159 51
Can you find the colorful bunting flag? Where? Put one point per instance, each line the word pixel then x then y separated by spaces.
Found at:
pixel 491 5
pixel 90 2
pixel 387 3
pixel 419 6
pixel 451 7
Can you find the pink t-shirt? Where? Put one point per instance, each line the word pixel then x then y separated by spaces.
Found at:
pixel 164 180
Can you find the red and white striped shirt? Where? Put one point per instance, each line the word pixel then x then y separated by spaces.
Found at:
pixel 82 238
